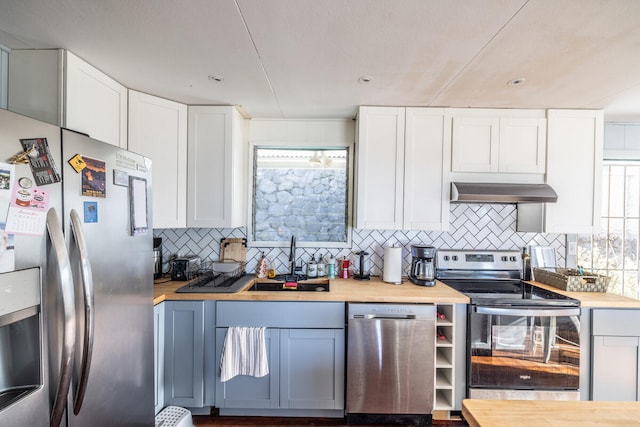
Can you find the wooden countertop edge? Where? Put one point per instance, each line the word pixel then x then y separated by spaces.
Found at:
pixel 595 299
pixel 375 290
pixel 342 290
pixel 560 413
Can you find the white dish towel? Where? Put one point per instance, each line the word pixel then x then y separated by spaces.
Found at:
pixel 244 353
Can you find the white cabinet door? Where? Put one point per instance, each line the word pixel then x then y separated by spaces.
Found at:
pixel 574 170
pixel 217 167
pixel 158 129
pixel 55 86
pixel 36 82
pixel 523 144
pixel 426 171
pixel 4 78
pixel 498 141
pixel 95 103
pixel 380 168
pixel 402 168
pixel 474 144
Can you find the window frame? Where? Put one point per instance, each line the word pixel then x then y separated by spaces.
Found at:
pixel 606 215
pixel 301 145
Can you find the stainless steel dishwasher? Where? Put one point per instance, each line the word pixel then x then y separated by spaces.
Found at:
pixel 390 363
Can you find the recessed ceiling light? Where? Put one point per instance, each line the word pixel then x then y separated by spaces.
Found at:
pixel 365 79
pixel 216 77
pixel 517 82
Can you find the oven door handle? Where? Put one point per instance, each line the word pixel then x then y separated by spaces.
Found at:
pixel 537 312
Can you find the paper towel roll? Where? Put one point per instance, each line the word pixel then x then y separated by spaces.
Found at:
pixel 392 265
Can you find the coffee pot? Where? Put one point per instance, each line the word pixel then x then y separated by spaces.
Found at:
pixel 423 265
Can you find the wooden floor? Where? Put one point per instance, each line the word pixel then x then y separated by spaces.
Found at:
pixel 208 421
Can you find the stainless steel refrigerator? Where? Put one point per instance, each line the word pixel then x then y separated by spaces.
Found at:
pixel 95 252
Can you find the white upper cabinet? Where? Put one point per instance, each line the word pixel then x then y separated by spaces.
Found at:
pixel 574 170
pixel 95 103
pixel 4 77
pixel 158 129
pixel 474 144
pixel 426 175
pixel 498 141
pixel 400 177
pixel 57 87
pixel 217 167
pixel 380 168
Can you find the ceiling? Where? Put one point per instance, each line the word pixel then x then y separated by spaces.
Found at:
pixel 304 58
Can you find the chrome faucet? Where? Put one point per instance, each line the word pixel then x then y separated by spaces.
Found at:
pixel 292 256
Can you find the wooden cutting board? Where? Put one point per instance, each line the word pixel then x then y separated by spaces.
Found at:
pixel 233 249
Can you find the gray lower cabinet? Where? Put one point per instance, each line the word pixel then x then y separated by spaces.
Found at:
pixel 189 353
pixel 615 354
pixel 158 356
pixel 306 353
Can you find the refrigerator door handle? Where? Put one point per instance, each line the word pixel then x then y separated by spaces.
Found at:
pixel 89 313
pixel 55 235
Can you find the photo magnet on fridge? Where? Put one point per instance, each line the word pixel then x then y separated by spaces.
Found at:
pixel 90 211
pixel 94 178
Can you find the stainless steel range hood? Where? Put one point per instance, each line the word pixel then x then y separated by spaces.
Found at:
pixel 472 192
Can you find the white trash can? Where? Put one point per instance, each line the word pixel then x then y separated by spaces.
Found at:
pixel 174 416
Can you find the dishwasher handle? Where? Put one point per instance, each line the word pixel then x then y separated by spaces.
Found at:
pixel 385 316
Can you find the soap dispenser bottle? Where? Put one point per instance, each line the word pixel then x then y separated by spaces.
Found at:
pixel 312 268
pixel 322 270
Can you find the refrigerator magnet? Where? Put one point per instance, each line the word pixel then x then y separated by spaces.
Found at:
pixel 90 211
pixel 94 178
pixel 120 178
pixel 77 163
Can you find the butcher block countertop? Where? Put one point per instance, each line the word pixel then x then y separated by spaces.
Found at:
pixel 596 299
pixel 347 290
pixel 375 290
pixel 556 413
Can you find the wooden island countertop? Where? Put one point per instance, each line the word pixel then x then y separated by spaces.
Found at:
pixel 346 290
pixel 543 413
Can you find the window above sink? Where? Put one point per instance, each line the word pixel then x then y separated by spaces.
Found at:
pixel 303 192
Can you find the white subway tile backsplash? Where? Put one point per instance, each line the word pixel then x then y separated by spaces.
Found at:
pixel 473 226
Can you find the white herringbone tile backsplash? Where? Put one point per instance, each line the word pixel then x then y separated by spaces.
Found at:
pixel 481 226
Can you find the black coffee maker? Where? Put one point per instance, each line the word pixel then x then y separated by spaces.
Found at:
pixel 423 265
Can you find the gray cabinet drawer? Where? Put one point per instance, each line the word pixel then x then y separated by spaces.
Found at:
pixel 615 322
pixel 280 314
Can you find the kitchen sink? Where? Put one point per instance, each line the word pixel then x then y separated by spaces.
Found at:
pixel 298 287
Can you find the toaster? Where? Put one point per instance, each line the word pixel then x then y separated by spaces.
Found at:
pixel 185 268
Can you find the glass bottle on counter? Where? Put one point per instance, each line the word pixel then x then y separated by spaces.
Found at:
pixel 321 267
pixel 312 268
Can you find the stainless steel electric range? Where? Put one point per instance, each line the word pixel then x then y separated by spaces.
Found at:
pixel 523 342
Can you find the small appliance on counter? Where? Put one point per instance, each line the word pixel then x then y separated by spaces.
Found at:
pixel 185 268
pixel 423 265
pixel 362 266
pixel 157 258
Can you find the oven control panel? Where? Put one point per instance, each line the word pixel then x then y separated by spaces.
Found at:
pixel 478 260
